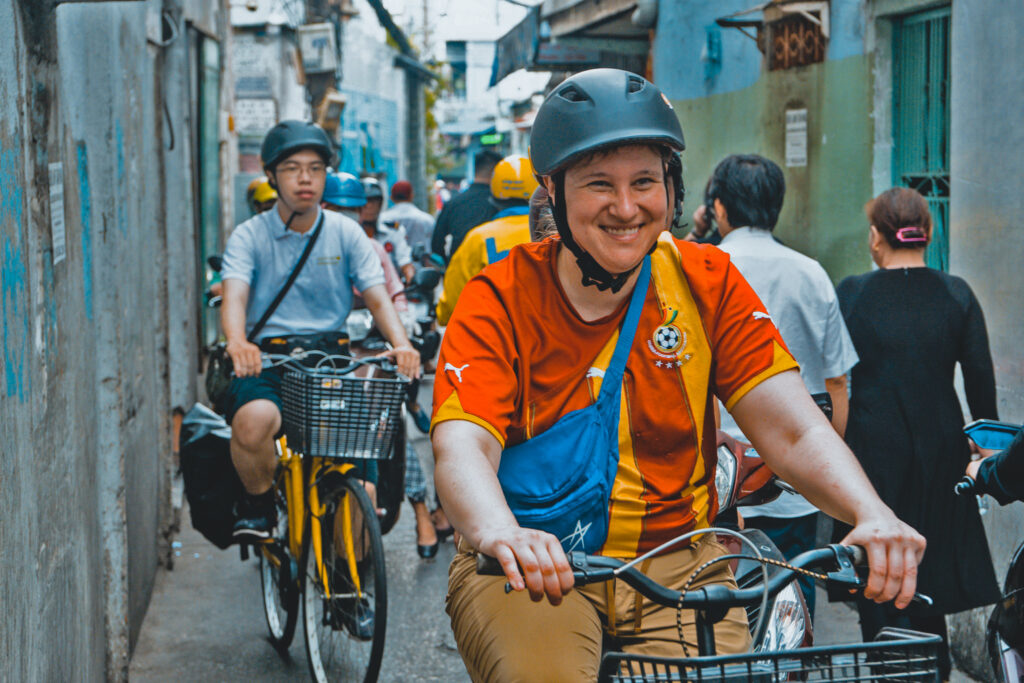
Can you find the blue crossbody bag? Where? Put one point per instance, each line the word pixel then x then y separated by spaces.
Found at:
pixel 560 481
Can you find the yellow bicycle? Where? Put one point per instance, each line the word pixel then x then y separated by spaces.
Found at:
pixel 340 416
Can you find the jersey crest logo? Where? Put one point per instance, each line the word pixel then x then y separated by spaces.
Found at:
pixel 668 342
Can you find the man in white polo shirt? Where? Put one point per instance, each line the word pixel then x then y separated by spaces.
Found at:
pixel 260 255
pixel 746 192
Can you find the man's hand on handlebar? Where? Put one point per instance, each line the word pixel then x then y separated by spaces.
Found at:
pixel 545 569
pixel 894 552
pixel 406 358
pixel 245 357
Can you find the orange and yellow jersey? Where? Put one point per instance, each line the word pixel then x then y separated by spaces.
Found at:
pixel 484 244
pixel 516 357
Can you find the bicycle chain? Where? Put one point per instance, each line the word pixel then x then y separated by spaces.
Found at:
pixel 700 569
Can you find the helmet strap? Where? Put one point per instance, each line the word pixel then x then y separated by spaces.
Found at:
pixel 594 275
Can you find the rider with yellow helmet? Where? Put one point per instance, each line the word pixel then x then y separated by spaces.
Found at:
pixel 512 185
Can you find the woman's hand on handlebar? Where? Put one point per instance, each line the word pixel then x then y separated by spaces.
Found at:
pixel 406 358
pixel 245 357
pixel 894 551
pixel 545 569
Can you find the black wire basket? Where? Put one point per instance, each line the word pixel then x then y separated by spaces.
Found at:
pixel 902 656
pixel 331 413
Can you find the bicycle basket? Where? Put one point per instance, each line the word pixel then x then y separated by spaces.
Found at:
pixel 908 656
pixel 333 413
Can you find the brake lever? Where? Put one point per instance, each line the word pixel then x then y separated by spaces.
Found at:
pixel 847 574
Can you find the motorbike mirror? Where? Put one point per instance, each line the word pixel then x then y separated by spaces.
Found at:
pixel 215 261
pixel 426 279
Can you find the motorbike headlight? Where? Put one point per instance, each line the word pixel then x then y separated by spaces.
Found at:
pixel 725 476
pixel 785 628
pixel 359 324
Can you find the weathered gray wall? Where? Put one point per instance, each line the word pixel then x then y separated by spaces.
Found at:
pixel 986 239
pixel 101 348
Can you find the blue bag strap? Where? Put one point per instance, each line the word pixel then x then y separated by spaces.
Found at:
pixel 613 375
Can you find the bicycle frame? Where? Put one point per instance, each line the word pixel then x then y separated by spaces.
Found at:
pixel 298 484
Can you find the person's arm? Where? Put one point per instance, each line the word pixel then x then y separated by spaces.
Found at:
pixel 836 387
pixel 976 364
pixel 405 356
pixel 1000 475
pixel 245 356
pixel 701 226
pixel 465 473
pixel 838 354
pixel 799 444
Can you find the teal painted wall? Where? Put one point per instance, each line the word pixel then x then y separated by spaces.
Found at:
pixel 823 211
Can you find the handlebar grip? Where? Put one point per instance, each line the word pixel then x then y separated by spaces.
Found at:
pixel 488 566
pixel 858 555
pixel 965 486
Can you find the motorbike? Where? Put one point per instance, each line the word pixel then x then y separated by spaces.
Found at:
pixel 1004 633
pixel 742 479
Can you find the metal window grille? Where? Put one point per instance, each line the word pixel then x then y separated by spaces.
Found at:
pixel 795 41
pixel 921 105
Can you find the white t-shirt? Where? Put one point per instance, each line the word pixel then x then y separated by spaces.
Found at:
pixel 802 302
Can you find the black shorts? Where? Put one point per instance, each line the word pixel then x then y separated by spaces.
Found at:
pixel 267 385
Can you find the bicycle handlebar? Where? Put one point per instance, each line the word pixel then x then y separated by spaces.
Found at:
pixel 965 486
pixel 351 362
pixel 589 569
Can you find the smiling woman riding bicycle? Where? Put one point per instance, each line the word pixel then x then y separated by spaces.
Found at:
pixel 575 408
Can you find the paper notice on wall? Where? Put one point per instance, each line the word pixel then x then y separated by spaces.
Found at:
pixel 255 116
pixel 796 137
pixel 56 172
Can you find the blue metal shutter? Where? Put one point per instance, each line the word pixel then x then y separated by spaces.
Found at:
pixel 921 83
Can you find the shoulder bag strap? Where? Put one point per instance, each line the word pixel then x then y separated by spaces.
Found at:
pixel 251 337
pixel 613 375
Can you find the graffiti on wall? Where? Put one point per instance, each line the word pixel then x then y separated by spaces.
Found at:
pixel 14 304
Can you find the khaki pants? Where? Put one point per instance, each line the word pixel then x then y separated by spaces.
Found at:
pixel 504 638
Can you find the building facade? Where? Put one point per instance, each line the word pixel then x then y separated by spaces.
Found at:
pixel 113 139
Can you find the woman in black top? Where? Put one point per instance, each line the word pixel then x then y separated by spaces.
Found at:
pixel 911 325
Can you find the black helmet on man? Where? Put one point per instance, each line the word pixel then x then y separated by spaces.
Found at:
pixel 288 137
pixel 594 110
pixel 373 189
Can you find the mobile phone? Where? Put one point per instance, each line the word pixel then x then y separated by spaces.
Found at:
pixel 992 434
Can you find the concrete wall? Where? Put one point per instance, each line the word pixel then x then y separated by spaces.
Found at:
pixel 986 241
pixel 374 123
pixel 100 348
pixel 737 106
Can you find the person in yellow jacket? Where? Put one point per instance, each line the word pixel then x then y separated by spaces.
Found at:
pixel 512 184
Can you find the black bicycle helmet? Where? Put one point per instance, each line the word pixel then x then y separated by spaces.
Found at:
pixel 288 137
pixel 373 189
pixel 600 108
pixel 594 110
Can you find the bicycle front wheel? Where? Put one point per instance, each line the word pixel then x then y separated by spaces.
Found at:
pixel 279 576
pixel 345 596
